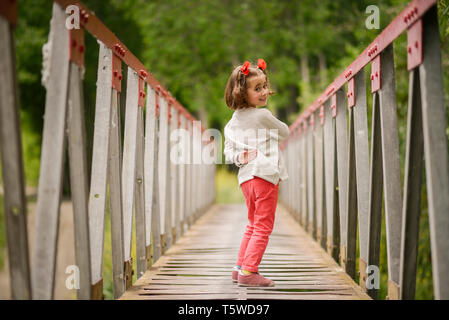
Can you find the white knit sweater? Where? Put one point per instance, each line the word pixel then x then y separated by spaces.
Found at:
pixel 256 128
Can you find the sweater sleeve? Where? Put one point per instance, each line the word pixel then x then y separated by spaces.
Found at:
pixel 271 122
pixel 230 151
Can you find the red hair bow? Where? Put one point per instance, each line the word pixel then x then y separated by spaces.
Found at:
pixel 245 68
pixel 261 64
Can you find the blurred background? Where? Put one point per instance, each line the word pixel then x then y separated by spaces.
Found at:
pixel 191 47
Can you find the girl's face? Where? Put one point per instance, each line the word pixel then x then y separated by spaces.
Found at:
pixel 257 91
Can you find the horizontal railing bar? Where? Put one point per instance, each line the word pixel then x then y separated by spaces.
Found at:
pixel 97 28
pixel 9 10
pixel 413 12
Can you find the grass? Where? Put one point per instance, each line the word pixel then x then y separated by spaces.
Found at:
pixel 227 187
pixel 108 284
pixel 2 234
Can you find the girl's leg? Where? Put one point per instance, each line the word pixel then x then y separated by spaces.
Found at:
pixel 248 193
pixel 265 201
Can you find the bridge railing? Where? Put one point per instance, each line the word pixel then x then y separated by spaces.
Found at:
pixel 336 183
pixel 141 177
pixel 12 159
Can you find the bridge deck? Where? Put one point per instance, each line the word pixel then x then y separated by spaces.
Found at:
pixel 198 265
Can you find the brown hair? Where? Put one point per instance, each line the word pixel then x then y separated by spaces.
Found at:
pixel 236 88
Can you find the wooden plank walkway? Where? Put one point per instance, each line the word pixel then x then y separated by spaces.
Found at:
pixel 198 265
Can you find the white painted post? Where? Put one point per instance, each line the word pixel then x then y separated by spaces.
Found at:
pixel 52 161
pixel 149 163
pixel 12 169
pixel 129 158
pixel 100 155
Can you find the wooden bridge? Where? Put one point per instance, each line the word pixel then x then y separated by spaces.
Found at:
pixel 198 265
pixel 186 243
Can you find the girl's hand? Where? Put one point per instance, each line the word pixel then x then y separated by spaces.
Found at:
pixel 246 156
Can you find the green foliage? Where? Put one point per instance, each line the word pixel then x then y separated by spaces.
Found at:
pixel 108 284
pixel 30 35
pixel 31 142
pixel 2 234
pixel 226 187
pixel 424 284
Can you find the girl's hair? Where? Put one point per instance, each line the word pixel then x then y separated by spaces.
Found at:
pixel 236 88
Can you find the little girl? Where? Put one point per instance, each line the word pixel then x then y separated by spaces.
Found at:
pixel 252 139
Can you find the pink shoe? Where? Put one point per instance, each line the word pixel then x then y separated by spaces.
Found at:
pixel 254 280
pixel 235 274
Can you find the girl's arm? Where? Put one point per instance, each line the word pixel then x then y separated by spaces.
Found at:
pixel 271 122
pixel 230 151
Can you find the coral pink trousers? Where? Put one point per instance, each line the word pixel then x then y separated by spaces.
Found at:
pixel 261 199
